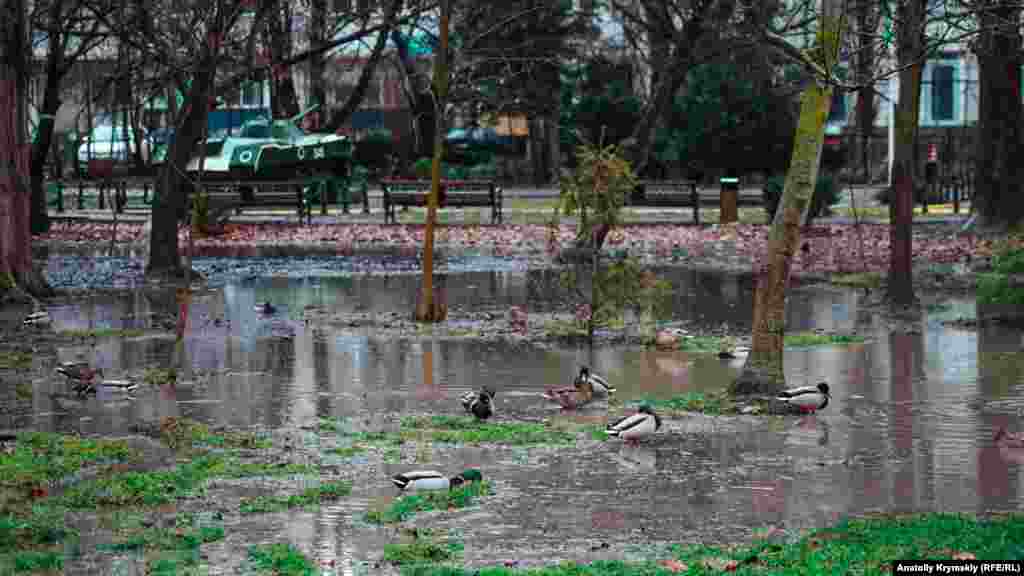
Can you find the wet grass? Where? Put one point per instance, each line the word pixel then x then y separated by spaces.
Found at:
pixel 423 549
pixel 40 458
pixel 856 546
pixel 716 344
pixel 102 333
pixel 183 434
pixel 33 562
pixel 858 279
pixel 308 498
pixel 469 430
pixel 347 451
pixel 710 403
pixel 280 560
pixel 15 360
pixel 186 535
pixel 807 339
pixel 405 507
pixel 157 377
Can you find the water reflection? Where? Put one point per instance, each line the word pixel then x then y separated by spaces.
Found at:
pixel 910 426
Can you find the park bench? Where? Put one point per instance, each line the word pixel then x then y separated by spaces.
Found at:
pixel 681 194
pixel 225 196
pixel 453 194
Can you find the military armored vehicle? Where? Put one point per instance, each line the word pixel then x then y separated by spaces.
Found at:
pixel 266 149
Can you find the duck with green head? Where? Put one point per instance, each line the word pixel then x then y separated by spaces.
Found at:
pixel 434 480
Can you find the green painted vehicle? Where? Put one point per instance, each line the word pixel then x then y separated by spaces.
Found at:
pixel 273 150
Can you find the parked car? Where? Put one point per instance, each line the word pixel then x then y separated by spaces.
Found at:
pixel 110 142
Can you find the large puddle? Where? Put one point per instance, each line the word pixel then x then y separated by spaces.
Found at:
pixel 910 426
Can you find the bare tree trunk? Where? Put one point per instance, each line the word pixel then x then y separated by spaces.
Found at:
pixel 901 208
pixel 427 310
pixel 422 103
pixel 999 175
pixel 867 109
pixel 763 372
pixel 317 36
pixel 16 270
pixel 172 187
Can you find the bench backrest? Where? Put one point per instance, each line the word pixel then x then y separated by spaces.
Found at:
pixel 447 185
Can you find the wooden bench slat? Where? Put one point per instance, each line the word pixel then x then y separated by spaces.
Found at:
pixel 453 194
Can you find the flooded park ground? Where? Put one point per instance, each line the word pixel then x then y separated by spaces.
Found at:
pixel 266 441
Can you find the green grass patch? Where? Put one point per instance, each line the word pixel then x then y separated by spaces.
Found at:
pixel 705 344
pixel 468 430
pixel 42 457
pixel 186 434
pixel 806 339
pixel 855 546
pixel 347 451
pixel 309 497
pixel 33 562
pixel 102 333
pixel 405 507
pixel 33 527
pixel 423 549
pixel 281 560
pixel 858 279
pixel 157 377
pixel 187 534
pixel 711 403
pixel 15 360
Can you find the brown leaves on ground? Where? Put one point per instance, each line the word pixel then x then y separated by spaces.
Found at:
pixel 674 565
pixel 831 247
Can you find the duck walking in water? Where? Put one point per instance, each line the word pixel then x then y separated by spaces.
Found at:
pixel 581 393
pixel 806 398
pixel 602 388
pixel 636 426
pixel 433 480
pixel 479 404
pixel 80 375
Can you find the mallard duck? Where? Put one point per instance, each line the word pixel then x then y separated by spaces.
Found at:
pixel 1004 438
pixel 433 480
pixel 635 426
pixel 734 353
pixel 266 308
pixel 806 398
pixel 570 398
pixel 479 404
pixel 40 318
pixel 81 375
pixel 601 386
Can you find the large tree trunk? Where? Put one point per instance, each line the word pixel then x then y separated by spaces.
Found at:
pixel 172 188
pixel 763 371
pixel 422 102
pixel 317 36
pixel 41 147
pixel 999 175
pixel 16 270
pixel 901 208
pixel 867 109
pixel 427 309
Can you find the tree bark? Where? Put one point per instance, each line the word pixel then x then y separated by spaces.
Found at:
pixel 40 217
pixel 427 310
pixel 901 208
pixel 317 36
pixel 867 109
pixel 999 175
pixel 763 371
pixel 17 275
pixel 422 103
pixel 172 187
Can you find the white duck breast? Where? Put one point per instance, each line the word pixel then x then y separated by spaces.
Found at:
pixel 421 480
pixel 805 397
pixel 634 426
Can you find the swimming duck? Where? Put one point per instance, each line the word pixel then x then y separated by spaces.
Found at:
pixel 601 386
pixel 81 375
pixel 479 404
pixel 37 319
pixel 581 393
pixel 433 480
pixel 266 308
pixel 806 398
pixel 635 426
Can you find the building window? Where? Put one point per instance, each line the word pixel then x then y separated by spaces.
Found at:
pixel 942 92
pixel 838 111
